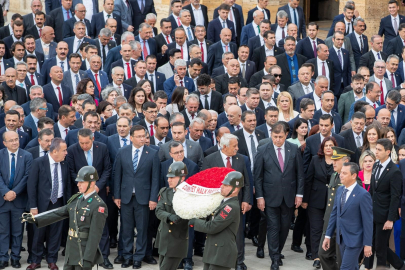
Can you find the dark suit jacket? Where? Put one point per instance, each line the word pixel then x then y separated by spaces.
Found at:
pixel 147 175
pixel 311 96
pixel 329 63
pixel 215 27
pixel 32 31
pixel 71 138
pixel 192 169
pixel 69 25
pixel 39 186
pixel 305 47
pixel 259 55
pixel 215 55
pixel 263 128
pixel 204 12
pixel 50 96
pixel 138 16
pixel 250 15
pixel 259 114
pixel 58 22
pixel 21 95
pixel 160 41
pixel 350 142
pixel 242 144
pixel 98 23
pixel 221 83
pixel 70 40
pixel 28 21
pixel 340 73
pixel 387 30
pixel 211 150
pixel 394 46
pixel 368 59
pixel 27 111
pixel 204 142
pixel 57 132
pixel 216 102
pixel 256 78
pixel 46 68
pixel 120 63
pixel 173 21
pixel 337 120
pixel 102 78
pixel 238 22
pixel 274 184
pixel 218 71
pixel 301 19
pixel 34 151
pixel 357 52
pixel 291 123
pixel 152 48
pixel 23 137
pixel 400 123
pixel 283 63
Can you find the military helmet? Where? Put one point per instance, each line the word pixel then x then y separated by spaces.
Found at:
pixel 177 168
pixel 87 174
pixel 234 179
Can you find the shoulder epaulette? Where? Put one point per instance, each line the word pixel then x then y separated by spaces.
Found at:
pixel 74 197
pixel 162 190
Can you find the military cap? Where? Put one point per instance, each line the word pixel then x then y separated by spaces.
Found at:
pixel 339 152
pixel 177 168
pixel 87 174
pixel 234 179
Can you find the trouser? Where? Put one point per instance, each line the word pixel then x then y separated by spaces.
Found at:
pixel 75 267
pixel 261 238
pixel 153 226
pixel 278 225
pixel 168 263
pixel 240 239
pixel 381 249
pixel 131 213
pixel 51 234
pixel 105 239
pixel 397 236
pixel 301 228
pixel 10 230
pixel 214 267
pixel 112 219
pixel 196 240
pixel 253 218
pixel 315 217
pixel 350 256
pixel 330 259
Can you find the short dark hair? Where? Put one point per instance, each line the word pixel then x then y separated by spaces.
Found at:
pixel 289 38
pixel 243 118
pixel 136 128
pixel 358 77
pixel 45 121
pixel 234 80
pixel 45 132
pixel 28 37
pixel 55 144
pixel 148 104
pixel 359 115
pixel 312 24
pixel 15 45
pixel 39 13
pixel 64 110
pixel 279 127
pixel 354 168
pixel 30 56
pixel 16 16
pixel 88 101
pixel 89 114
pixel 176 124
pixel 359 105
pixel 369 87
pixel 386 143
pixel 305 102
pixel 173 51
pixel 13 112
pixel 226 97
pixel 224 7
pixel 203 79
pixel 75 55
pixel 267 33
pixel 395 96
pixel 173 144
pixel 164 20
pixel 85 132
pixel 159 94
pixel 195 61
pixel 393 2
pixel 327 117
pixel 271 109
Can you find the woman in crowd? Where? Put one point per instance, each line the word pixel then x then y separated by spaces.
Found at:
pixel 370 138
pixel 178 100
pixel 390 134
pixel 366 162
pixel 110 94
pixel 146 85
pixel 285 105
pixel 300 132
pixel 105 110
pixel 86 86
pixel 401 152
pixel 137 99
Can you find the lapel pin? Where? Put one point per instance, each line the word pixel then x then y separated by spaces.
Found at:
pixel 236 157
pixel 146 152
pixel 354 195
pixel 190 146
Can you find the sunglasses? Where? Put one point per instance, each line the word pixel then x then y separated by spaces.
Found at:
pixel 277 75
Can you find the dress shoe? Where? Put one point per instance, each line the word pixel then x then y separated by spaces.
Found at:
pixel 126 263
pixel 255 241
pixel 317 264
pixel 274 265
pixel 113 244
pixel 4 264
pixel 33 266
pixel 199 252
pixel 181 265
pixel 241 266
pixel 137 265
pixel 107 264
pixel 15 264
pixel 188 265
pixel 280 262
pixel 297 249
pixel 308 256
pixel 282 256
pixel 119 260
pixel 149 260
pixel 23 248
pixel 53 266
pixel 260 252
pixel 292 225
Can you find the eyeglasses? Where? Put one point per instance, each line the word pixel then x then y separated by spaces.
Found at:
pixel 178 153
pixel 277 75
pixel 44 109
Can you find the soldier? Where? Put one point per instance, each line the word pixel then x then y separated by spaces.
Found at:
pixel 172 236
pixel 87 214
pixel 221 251
pixel 330 259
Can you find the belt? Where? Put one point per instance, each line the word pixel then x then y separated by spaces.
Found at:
pixel 73 233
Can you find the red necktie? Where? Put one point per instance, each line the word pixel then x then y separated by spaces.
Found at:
pixel 167 39
pixel 145 50
pixel 151 130
pixel 98 83
pixel 393 80
pixel 181 48
pixel 128 71
pixel 181 83
pixel 226 48
pixel 282 33
pixel 68 14
pixel 382 94
pixel 192 116
pixel 375 107
pixel 40 32
pixel 202 52
pixel 111 38
pixel 66 130
pixel 228 162
pixel 32 80
pixel 60 96
pixel 323 69
pixel 178 21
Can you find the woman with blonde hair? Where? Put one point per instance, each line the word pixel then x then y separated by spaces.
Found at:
pixel 285 105
pixel 366 162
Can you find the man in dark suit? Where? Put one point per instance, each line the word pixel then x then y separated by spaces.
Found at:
pixel 155 77
pixel 104 43
pixel 37 92
pixel 38 110
pixel 64 94
pixel 196 7
pixel 45 137
pixel 12 120
pixel 313 142
pixel 49 187
pixel 12 91
pixel 307 46
pixel 35 22
pixel 258 41
pixel 48 34
pixel 59 60
pixel 146 42
pixel 165 37
pixel 269 48
pixel 394 46
pixel 285 160
pixel 66 121
pixel 261 5
pixel 78 37
pixel 34 61
pixel 327 105
pixel 397 121
pixel 392 64
pixel 297 16
pixel 59 16
pixel 14 173
pixel 98 76
pixel 209 100
pixel 307 109
pixel 99 20
pixel 216 25
pixel 257 78
pixel 376 53
pixel 235 15
pixel 252 29
pixel 271 116
pixel 18 31
pixel 69 25
pixel 323 66
pixel 233 69
pixel 196 131
pixel 75 61
pixel 247 67
pixel 175 8
pixel 222 68
pixel 228 157
pixel 386 24
pixel 125 62
pixel 252 103
pixel 354 136
pixel 139 12
pixel 185 19
pixel 179 79
pixel 135 204
pixel 284 61
pixel 358 40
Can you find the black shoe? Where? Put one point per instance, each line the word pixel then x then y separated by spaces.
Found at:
pixel 119 260
pixel 297 249
pixel 239 267
pixel 63 252
pixel 292 225
pixel 255 241
pixel 137 265
pixel 280 262
pixel 282 256
pixel 199 251
pixel 274 265
pixel 308 256
pixel 107 264
pixel 15 264
pixel 181 265
pixel 126 264
pixel 4 264
pixel 260 252
pixel 113 243
pixel 149 260
pixel 23 248
pixel 188 265
pixel 317 264
pixel 155 252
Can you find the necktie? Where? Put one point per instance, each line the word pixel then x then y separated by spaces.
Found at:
pixel 104 55
pixel 393 124
pixel 160 143
pixel 323 69
pixel 60 96
pixel 125 141
pixel 77 79
pixel 393 80
pixel 178 21
pixel 55 185
pixel 127 2
pixel 181 83
pixel 293 70
pixel 32 79
pixel 280 159
pixel 153 82
pixel 108 16
pixel 167 39
pixel 230 15
pixel 45 153
pixel 142 6
pixel 145 50
pixel 253 146
pixel 382 94
pixel 377 175
pixel 202 51
pixel 226 48
pixel 340 59
pixel 22 85
pixel 62 66
pixel 12 171
pixel 358 143
pixel 190 36
pixel 89 159
pixel 295 16
pixel 395 26
pixel 181 49
pixel 98 83
pixel 151 130
pixel 66 131
pixel 361 44
pixel 314 45
pixel 192 116
pixel 129 76
pixel 243 70
pixel 258 28
pixel 282 33
pixel 78 45
pixel 238 127
pixel 348 28
pixel 223 24
pixel 228 162
pixel 135 160
pixel 206 105
pixel 343 200
pixel 306 90
pixel 375 106
pixel 40 32
pixel 378 55
pixel 68 14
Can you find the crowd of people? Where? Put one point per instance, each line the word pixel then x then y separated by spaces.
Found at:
pixel 296 115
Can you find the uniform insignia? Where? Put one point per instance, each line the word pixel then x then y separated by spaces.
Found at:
pixel 182 171
pixel 228 208
pixel 170 169
pixel 82 218
pixel 101 209
pixel 90 200
pixel 91 176
pixel 223 215
pixel 147 152
pixel 237 182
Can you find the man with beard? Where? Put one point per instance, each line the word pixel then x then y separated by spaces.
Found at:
pixel 347 99
pixel 59 60
pixel 117 75
pixel 12 91
pixel 74 75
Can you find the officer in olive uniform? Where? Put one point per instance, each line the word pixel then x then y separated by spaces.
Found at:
pixel 87 214
pixel 220 249
pixel 172 236
pixel 330 259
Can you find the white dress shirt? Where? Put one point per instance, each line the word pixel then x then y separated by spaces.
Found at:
pixel 224 158
pixel 33 77
pixel 355 135
pixel 2 65
pixel 358 37
pixel 52 167
pixel 371 103
pixel 269 51
pixel 41 151
pixel 198 15
pixel 122 142
pixel 375 55
pixel 279 33
pixel 204 45
pixel 202 99
pixel 149 128
pixel 249 146
pixel 292 16
pixel 139 158
pixel 396 21
pixel 65 63
pixel 185 50
pixel 76 44
pixel 384 165
pixel 57 91
pixel 319 64
pixel 15 159
pixel 384 86
pixel 176 20
pixel 307 88
pixel 153 79
pixel 170 38
pixel 348 28
pixel 222 22
pixel 394 112
pixel 119 87
pixel 73 79
pixel 125 67
pixel 317 101
pixel 341 54
pixel 264 12
pixel 269 103
pixel 62 130
pixel 389 78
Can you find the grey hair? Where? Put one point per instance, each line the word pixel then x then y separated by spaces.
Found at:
pixel 226 139
pixel 84 97
pixel 116 69
pixel 150 16
pixel 212 112
pixel 79 22
pixel 96 55
pixel 379 61
pixel 77 6
pixel 16 107
pixel 125 35
pixel 105 32
pixel 134 45
pixel 108 90
pixel 173 117
pixel 36 103
pixel 36 87
pixel 282 14
pixel 184 10
pixel 192 96
pixel 126 106
pixel 226 53
pixel 392 56
pixel 129 121
pixel 192 46
pixel 21 63
pixel 85 132
pixel 173 144
pixel 55 144
pixel 358 19
pixel 180 63
pixel 142 25
pixel 197 120
pixel 32 2
pixel 119 98
pixel 255 13
pixel 321 77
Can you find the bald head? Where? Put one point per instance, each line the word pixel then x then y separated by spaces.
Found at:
pixel 48 34
pixel 384 117
pixel 226 35
pixel 11 77
pixel 340 26
pixel 56 74
pixel 8 104
pixel 221 131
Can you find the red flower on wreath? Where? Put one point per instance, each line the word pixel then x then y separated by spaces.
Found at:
pixel 210 178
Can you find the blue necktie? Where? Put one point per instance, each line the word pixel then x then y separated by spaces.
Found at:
pixel 77 79
pixel 12 173
pixel 293 71
pixel 393 124
pixel 190 36
pixel 89 159
pixel 55 186
pixel 295 16
pixel 125 141
pixel 343 200
pixel 135 160
pixel 223 24
pixel 62 66
pixel 340 59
